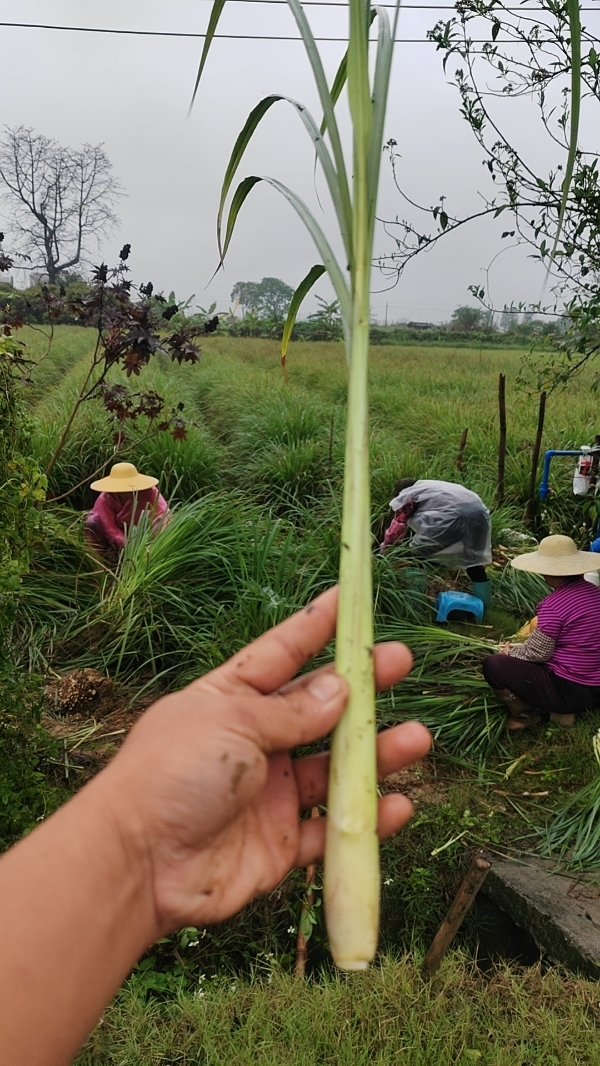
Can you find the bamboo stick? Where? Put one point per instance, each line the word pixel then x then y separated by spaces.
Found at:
pixel 475 876
pixel 595 465
pixel 535 458
pixel 461 449
pixel 502 442
pixel 302 942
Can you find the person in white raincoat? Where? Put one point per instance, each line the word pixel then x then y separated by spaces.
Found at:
pixel 450 525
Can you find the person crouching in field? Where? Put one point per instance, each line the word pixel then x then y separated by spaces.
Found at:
pixel 555 673
pixel 450 525
pixel 124 496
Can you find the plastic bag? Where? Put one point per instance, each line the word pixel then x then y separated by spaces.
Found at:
pixel 451 524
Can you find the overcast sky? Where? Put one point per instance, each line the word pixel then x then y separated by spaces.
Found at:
pixel 132 94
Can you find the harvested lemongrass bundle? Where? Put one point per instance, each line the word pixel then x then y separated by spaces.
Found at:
pixel 351 859
pixel 573 834
pixel 446 690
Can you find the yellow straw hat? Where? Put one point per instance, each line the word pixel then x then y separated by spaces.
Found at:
pixel 558 556
pixel 124 477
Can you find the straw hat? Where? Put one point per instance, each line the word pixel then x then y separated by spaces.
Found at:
pixel 558 557
pixel 124 477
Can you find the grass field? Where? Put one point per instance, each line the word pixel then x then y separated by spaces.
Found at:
pixel 275 441
pixel 256 488
pixel 257 485
pixel 388 1016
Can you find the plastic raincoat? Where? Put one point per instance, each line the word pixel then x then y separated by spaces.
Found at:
pixel 451 524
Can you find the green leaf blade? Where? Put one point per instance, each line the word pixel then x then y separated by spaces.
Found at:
pixel 323 155
pixel 300 294
pixel 329 260
pixel 328 109
pixel 215 15
pixel 242 141
pixel 239 197
pixel 381 83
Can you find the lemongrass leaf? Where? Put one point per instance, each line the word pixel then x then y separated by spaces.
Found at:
pixel 301 292
pixel 338 84
pixel 328 111
pixel 213 22
pixel 381 81
pixel 329 260
pixel 359 95
pixel 340 78
pixel 253 120
pixel 237 153
pixel 242 191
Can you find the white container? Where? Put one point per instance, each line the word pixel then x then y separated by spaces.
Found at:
pixel 583 472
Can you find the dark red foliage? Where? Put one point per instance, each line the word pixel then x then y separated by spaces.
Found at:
pixel 181 345
pixel 131 328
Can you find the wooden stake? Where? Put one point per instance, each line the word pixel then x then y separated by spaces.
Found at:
pixel 469 888
pixel 461 449
pixel 502 442
pixel 595 465
pixel 535 458
pixel 302 942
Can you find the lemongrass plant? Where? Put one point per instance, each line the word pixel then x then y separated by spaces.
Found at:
pixel 573 834
pixel 351 859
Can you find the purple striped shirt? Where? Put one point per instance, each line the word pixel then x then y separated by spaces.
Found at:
pixel 571 616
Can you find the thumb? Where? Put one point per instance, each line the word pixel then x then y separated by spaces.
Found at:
pixel 302 711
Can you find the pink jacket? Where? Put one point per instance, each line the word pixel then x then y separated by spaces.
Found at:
pixel 397 529
pixel 114 509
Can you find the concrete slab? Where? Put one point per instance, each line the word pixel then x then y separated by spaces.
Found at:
pixel 560 911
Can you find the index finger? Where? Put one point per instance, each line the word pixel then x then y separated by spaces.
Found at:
pixel 267 663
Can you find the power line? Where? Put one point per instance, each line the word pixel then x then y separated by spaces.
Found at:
pixel 224 36
pixel 403 7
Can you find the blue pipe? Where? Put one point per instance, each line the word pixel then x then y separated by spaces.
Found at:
pixel 544 487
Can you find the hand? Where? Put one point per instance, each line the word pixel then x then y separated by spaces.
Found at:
pixel 204 791
pixel 504 647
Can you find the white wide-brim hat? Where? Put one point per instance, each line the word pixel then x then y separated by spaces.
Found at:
pixel 124 477
pixel 558 556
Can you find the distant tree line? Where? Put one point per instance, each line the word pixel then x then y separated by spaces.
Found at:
pixel 264 306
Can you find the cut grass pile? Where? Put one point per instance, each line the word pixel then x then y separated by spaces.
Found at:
pixel 573 834
pixel 387 1015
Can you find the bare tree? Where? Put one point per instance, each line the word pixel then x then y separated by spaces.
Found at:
pixel 62 199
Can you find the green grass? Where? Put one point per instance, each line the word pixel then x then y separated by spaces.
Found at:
pixel 259 477
pixel 257 489
pixel 389 1015
pixel 275 442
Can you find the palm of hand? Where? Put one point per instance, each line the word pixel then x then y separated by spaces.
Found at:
pixel 222 798
pixel 220 838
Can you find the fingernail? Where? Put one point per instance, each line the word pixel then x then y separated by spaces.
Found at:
pixel 325 687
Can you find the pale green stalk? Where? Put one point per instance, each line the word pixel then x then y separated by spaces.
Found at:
pixel 351 856
pixel 352 852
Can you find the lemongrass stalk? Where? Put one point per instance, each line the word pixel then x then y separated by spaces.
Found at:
pixel 351 882
pixel 351 859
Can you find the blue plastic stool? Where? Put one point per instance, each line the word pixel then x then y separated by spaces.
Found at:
pixel 458 601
